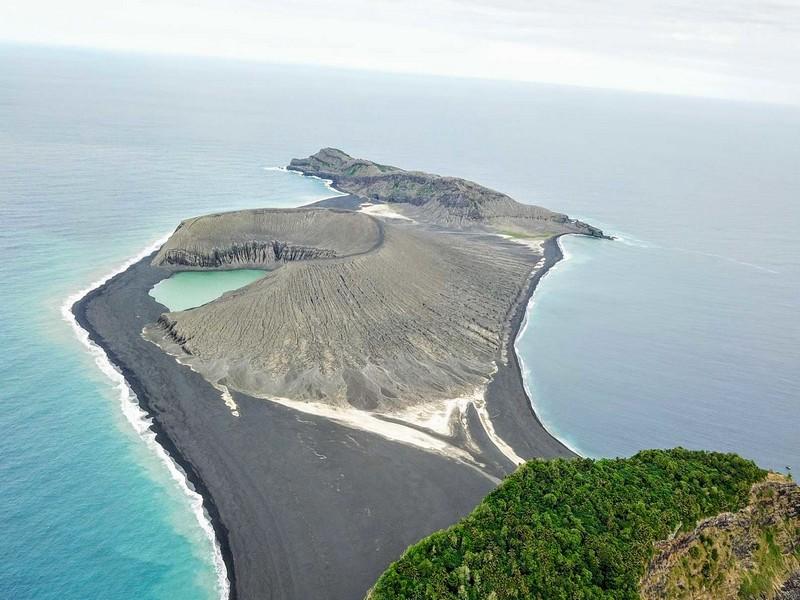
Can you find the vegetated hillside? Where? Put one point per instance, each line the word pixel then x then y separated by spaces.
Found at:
pixel 571 529
pixel 752 553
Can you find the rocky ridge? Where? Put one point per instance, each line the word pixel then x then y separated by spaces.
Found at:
pixel 752 553
pixel 445 201
pixel 266 238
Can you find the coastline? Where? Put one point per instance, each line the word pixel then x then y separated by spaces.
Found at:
pixel 558 257
pixel 507 395
pixel 267 477
pixel 328 183
pixel 147 427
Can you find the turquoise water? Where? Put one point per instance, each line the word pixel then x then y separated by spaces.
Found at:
pixel 684 332
pixel 195 288
pixel 87 508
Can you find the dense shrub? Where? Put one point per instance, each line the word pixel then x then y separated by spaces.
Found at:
pixel 570 529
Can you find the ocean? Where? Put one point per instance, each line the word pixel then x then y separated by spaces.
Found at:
pixel 683 331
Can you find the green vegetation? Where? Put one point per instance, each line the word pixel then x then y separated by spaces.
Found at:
pixel 570 529
pixel 748 554
pixel 770 565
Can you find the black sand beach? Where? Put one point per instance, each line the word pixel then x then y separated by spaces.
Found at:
pixel 512 412
pixel 304 507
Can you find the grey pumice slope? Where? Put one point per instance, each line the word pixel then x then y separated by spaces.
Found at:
pixel 361 313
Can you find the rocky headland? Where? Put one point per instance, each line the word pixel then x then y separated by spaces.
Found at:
pixel 445 201
pixel 751 553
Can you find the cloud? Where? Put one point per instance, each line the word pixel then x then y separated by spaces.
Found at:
pixel 736 48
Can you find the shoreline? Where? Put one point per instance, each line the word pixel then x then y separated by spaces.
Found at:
pixel 388 480
pixel 560 257
pixel 508 391
pixel 181 470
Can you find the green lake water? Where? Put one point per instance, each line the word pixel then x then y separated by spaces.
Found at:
pixel 195 288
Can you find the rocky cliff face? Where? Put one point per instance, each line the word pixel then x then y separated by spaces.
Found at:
pixel 446 201
pixel 267 238
pixel 752 554
pixel 239 255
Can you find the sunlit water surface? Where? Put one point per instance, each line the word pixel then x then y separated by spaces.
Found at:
pixel 683 332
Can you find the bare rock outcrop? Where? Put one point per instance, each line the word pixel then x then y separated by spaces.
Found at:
pixel 266 238
pixel 445 201
pixel 751 554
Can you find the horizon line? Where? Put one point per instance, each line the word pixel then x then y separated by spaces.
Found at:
pixel 139 52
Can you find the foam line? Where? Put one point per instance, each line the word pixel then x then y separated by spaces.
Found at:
pixel 525 371
pixel 138 418
pixel 327 182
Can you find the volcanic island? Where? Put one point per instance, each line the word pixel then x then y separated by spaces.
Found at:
pixel 362 394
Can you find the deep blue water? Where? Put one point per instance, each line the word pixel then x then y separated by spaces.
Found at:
pixel 685 332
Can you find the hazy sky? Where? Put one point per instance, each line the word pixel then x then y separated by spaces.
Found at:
pixel 730 48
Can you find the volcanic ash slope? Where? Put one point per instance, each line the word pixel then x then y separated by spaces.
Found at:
pixel 382 317
pixel 407 318
pixel 266 238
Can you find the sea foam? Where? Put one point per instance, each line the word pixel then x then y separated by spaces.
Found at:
pixel 139 419
pixel 327 182
pixel 524 369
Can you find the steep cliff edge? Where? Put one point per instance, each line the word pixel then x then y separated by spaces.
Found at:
pixel 267 238
pixel 751 553
pixel 445 201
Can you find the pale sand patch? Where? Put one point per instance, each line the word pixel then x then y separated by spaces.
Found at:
pixel 439 418
pixel 486 421
pixel 383 211
pixel 536 244
pixel 228 399
pixel 371 422
pixel 360 419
